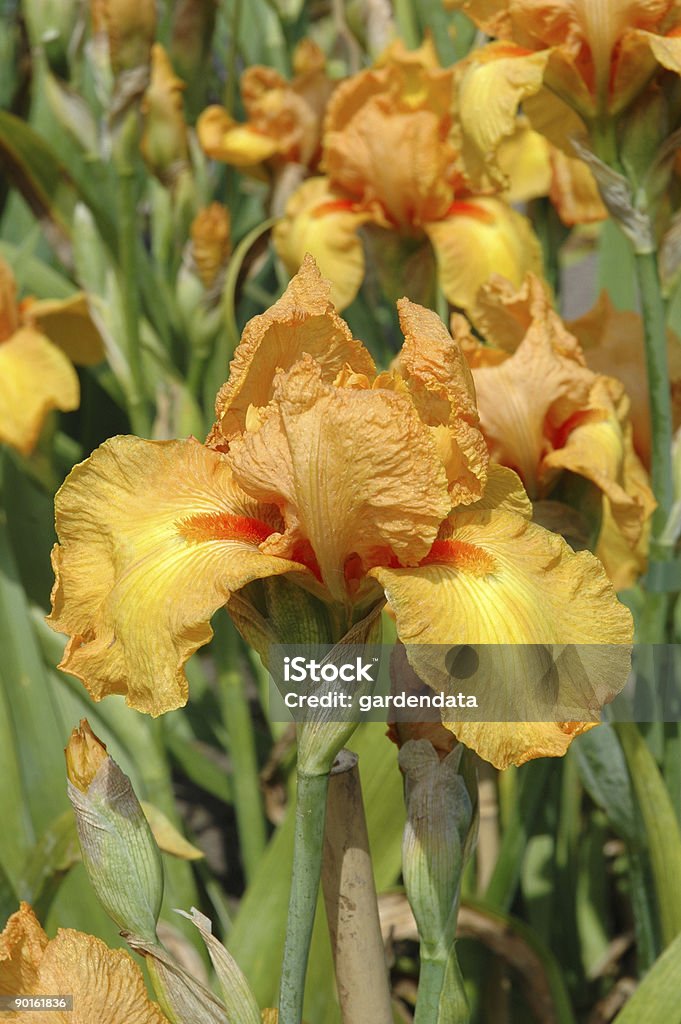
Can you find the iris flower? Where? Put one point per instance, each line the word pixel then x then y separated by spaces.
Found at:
pixel 350 483
pixel 394 160
pixel 596 55
pixel 284 118
pixel 543 410
pixel 107 985
pixel 38 340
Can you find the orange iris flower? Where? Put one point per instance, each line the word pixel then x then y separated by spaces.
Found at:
pixel 394 159
pixel 543 410
pixel 351 484
pixel 596 55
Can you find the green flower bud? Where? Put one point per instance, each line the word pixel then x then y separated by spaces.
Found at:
pixel 119 851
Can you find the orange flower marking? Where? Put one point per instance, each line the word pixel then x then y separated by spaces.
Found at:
pixel 465 557
pixel 207 526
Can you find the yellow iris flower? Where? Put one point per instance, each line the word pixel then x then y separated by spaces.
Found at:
pixel 393 160
pixel 38 341
pixel 596 55
pixel 543 410
pixel 284 118
pixel 352 484
pixel 107 985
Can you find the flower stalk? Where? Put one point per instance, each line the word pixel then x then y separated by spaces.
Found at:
pixel 657 365
pixel 125 146
pixel 307 866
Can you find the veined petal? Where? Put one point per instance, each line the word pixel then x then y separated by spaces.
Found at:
pixel 36 377
pixel 22 944
pixel 495 82
pixel 599 448
pixel 499 579
pixel 302 321
pixel 354 472
pixel 67 323
pixel 154 537
pixel 481 237
pixel 441 385
pixel 107 986
pixel 323 222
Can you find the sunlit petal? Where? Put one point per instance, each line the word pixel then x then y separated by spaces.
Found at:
pixel 302 321
pixel 106 985
pixel 36 377
pixel 323 222
pixel 353 470
pixel 498 579
pixel 479 238
pixel 154 537
pixel 441 385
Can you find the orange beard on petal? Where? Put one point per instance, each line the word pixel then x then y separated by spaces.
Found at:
pixel 207 526
pixel 466 557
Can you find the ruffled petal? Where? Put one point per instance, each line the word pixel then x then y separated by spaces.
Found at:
pixel 599 448
pixel 22 944
pixel 323 222
pixel 481 237
pixel 495 82
pixel 106 984
pixel 613 344
pixel 68 323
pixel 353 470
pixel 223 139
pixel 499 579
pixel 302 321
pixel 36 377
pixel 441 385
pixel 154 537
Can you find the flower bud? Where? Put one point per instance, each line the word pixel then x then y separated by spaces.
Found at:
pixel 437 838
pixel 211 243
pixel 164 138
pixel 9 314
pixel 129 27
pixel 119 851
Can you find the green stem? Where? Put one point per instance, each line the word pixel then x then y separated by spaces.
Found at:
pixel 441 995
pixel 661 827
pixel 126 209
pixel 236 716
pixel 657 365
pixel 307 866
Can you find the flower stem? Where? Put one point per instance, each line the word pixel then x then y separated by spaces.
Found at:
pixel 125 147
pixel 441 995
pixel 307 866
pixel 238 724
pixel 657 365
